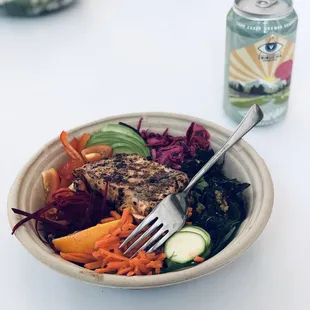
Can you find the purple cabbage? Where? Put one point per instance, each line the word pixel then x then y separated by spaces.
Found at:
pixel 174 151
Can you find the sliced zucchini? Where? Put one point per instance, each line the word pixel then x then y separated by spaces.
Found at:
pixel 200 231
pixel 183 247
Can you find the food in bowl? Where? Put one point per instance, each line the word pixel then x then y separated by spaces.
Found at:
pixel 112 180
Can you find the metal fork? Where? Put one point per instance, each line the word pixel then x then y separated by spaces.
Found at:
pixel 169 216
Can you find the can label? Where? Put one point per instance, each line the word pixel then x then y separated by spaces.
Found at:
pixel 260 60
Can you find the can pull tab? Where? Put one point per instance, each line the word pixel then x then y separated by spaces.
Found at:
pixel 265 3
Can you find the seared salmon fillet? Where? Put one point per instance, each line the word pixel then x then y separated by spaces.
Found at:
pixel 133 181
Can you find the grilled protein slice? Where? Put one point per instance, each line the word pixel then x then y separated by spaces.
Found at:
pixel 133 181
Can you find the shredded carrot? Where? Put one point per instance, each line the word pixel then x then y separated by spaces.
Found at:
pixel 128 226
pixel 130 273
pixel 117 265
pixel 125 216
pixel 104 270
pixel 137 271
pixel 105 242
pixel 107 257
pixel 143 268
pixel 117 256
pixel 83 256
pixel 115 215
pixel 125 234
pixel 161 256
pixel 107 260
pixel 93 265
pixel 144 261
pixel 150 256
pixel 116 231
pixel 154 264
pixel 198 259
pixel 129 219
pixel 116 250
pixel 107 220
pixel 189 223
pixel 123 271
pixel 74 259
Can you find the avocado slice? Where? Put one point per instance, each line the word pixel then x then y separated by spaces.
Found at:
pixel 115 138
pixel 124 131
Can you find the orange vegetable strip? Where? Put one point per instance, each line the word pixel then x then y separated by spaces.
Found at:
pixel 83 141
pixel 105 237
pixel 154 264
pixel 129 219
pixel 150 273
pixel 128 226
pixel 68 147
pixel 104 242
pixel 150 256
pixel 93 265
pixel 116 231
pixel 157 270
pixel 107 220
pixel 109 247
pixel 134 261
pixel 141 254
pixel 117 265
pixel 104 270
pixel 198 259
pixel 117 256
pixel 125 234
pixel 107 260
pixel 96 254
pixel 130 273
pixel 125 216
pixel 83 255
pixel 74 143
pixel 143 269
pixel 74 259
pixel 115 215
pixel 137 271
pixel 124 270
pixel 144 261
pixel 189 223
pixel 161 256
pixel 117 250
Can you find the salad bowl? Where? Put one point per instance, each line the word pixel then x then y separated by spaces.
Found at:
pixel 241 162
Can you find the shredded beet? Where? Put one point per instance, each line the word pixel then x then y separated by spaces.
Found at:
pixel 72 211
pixel 173 151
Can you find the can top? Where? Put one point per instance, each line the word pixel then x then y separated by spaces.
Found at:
pixel 265 8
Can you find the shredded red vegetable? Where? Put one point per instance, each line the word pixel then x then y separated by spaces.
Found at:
pixel 173 151
pixel 71 211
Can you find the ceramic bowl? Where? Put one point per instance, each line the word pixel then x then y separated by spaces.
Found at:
pixel 242 162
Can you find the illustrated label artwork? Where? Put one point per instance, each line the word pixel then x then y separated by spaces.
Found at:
pixel 261 73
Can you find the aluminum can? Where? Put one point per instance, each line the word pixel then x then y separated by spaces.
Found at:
pixel 260 45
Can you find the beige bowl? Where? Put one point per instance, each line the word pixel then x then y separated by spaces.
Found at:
pixel 242 162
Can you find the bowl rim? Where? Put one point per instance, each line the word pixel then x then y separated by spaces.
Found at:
pixel 218 261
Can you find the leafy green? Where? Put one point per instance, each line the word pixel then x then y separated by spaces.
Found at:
pixel 218 203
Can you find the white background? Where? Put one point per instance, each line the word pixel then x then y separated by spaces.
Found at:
pixel 107 57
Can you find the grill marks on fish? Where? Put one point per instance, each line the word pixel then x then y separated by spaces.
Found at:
pixel 133 181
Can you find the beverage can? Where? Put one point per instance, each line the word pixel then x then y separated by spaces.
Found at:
pixel 260 45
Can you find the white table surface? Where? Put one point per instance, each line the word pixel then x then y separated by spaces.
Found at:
pixel 115 56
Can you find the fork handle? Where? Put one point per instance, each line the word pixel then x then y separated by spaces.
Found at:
pixel 251 119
